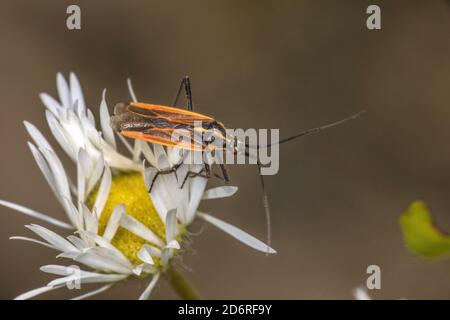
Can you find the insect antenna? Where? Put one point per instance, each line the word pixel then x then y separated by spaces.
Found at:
pixel 265 203
pixel 266 210
pixel 263 186
pixel 308 131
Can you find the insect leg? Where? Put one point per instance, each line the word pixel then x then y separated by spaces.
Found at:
pixel 205 173
pixel 186 84
pixel 153 182
pixel 219 159
pixel 178 92
pixel 225 175
pixel 173 169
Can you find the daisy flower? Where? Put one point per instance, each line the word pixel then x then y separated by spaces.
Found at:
pixel 115 229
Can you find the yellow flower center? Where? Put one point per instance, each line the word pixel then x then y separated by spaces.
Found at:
pixel 129 189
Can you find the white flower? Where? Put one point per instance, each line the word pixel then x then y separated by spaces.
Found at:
pixel 73 126
pixel 117 229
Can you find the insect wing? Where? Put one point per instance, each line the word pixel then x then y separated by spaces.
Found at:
pixel 170 137
pixel 170 114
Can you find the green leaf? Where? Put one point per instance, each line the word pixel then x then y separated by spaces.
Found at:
pixel 421 235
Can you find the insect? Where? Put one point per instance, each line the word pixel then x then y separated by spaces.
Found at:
pixel 156 124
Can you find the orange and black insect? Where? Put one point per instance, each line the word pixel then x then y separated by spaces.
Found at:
pixel 156 124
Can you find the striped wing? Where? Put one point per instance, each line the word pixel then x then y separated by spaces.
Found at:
pixel 163 136
pixel 171 114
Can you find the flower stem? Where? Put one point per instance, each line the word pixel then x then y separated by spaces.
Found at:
pixel 184 289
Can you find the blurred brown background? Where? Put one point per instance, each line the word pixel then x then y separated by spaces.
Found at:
pixel 263 64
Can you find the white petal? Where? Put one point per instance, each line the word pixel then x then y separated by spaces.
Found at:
pixel 110 249
pixel 100 278
pixel 176 155
pixel 50 103
pixel 159 199
pixel 61 135
pixel 112 157
pixel 163 189
pixel 35 214
pixel 76 130
pixel 84 166
pixel 76 108
pixel 69 255
pixel 75 276
pixel 77 242
pixel 130 89
pixel 94 292
pixel 138 269
pixel 173 245
pixel 103 192
pixel 183 193
pixel 136 151
pixel 74 216
pixel 95 174
pixel 167 251
pixel 37 136
pixel 160 155
pixel 90 219
pixel 59 270
pixel 148 290
pixel 91 118
pixel 43 166
pixel 65 271
pixel 154 252
pixel 136 227
pixel 165 255
pixel 101 262
pixel 76 93
pixel 170 185
pixel 198 185
pixel 108 133
pixel 33 240
pixel 62 114
pixel 219 192
pixel 73 188
pixel 145 256
pixel 237 233
pixel 35 292
pixel 148 268
pixel 63 90
pixel 148 153
pixel 149 176
pixel 85 161
pixel 59 174
pixel 113 222
pixel 171 225
pixel 51 237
